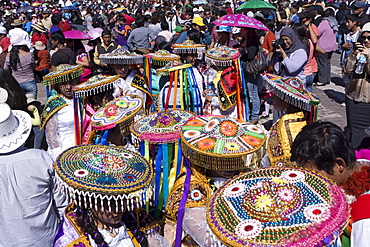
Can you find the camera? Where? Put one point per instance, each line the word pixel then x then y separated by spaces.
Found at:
pixel 278 42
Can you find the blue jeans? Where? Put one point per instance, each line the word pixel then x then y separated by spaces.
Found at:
pixel 30 87
pixel 309 82
pixel 254 99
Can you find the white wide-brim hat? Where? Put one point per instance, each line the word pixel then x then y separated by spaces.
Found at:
pixel 15 127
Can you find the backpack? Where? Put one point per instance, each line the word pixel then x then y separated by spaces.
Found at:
pixel 127 30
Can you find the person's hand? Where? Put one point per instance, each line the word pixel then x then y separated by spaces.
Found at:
pixel 31 107
pixel 307 22
pixel 366 52
pixel 359 47
pixel 347 46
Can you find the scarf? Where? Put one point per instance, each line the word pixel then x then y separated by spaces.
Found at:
pixel 296 43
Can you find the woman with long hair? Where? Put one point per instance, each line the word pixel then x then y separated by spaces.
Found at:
pixel 21 63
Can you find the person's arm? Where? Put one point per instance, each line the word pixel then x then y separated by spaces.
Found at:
pixel 53 136
pixel 130 41
pixel 96 56
pixel 182 37
pixel 313 35
pixel 207 40
pixel 84 61
pixel 295 61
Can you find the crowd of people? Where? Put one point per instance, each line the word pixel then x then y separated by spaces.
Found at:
pixel 153 110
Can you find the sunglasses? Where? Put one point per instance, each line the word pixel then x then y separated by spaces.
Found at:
pixel 365 37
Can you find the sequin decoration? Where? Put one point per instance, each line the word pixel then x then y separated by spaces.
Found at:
pixel 163 127
pixel 103 169
pixel 266 207
pixel 117 111
pixel 222 143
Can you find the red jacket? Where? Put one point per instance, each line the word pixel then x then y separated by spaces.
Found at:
pixel 39 37
pixel 43 60
pixel 64 26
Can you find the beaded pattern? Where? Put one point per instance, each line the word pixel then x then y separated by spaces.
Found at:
pixel 221 56
pixel 221 137
pixel 162 57
pixel 95 84
pixel 278 207
pixel 291 90
pixel 117 111
pixel 121 56
pixel 63 73
pixel 161 127
pixel 103 169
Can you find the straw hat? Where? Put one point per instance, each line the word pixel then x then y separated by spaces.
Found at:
pixel 39 27
pixel 17 22
pixel 39 46
pixel 15 127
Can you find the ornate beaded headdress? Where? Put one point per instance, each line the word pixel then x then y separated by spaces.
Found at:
pixel 189 47
pixel 121 111
pixel 278 207
pixel 121 56
pixel 162 57
pixel 222 143
pixel 172 66
pixel 91 173
pixel 291 90
pixel 161 127
pixel 222 56
pixel 63 73
pixel 94 85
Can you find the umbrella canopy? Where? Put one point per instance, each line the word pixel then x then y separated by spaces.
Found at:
pixel 239 20
pixel 69 8
pixel 24 8
pixel 200 2
pixel 95 32
pixel 74 34
pixel 256 5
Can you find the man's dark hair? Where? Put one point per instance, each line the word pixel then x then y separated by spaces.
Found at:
pixel 194 35
pixel 58 36
pixel 164 25
pixel 139 22
pixel 55 19
pixel 352 17
pixel 106 32
pixel 122 18
pixel 321 143
pixel 190 13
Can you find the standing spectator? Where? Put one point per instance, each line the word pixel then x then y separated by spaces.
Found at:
pixel 31 204
pixel 208 19
pixel 55 21
pixel 327 41
pixel 63 55
pixel 97 18
pixel 341 16
pixel 359 10
pixel 107 46
pixel 42 59
pixel 89 21
pixel 21 63
pixel 164 36
pixel 228 8
pixel 293 13
pixel 139 38
pixel 349 40
pixel 319 12
pixel 27 25
pixel 172 20
pixel 123 32
pixel 76 18
pixel 358 91
pixel 39 34
pixel 18 32
pixel 4 41
pixel 46 20
pixel 155 27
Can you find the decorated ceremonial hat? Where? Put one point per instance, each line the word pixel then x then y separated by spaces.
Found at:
pixel 121 56
pixel 121 111
pixel 172 66
pixel 189 47
pixel 222 143
pixel 63 73
pixel 222 56
pixel 278 207
pixel 162 57
pixel 291 90
pixel 15 127
pixel 89 173
pixel 95 85
pixel 161 127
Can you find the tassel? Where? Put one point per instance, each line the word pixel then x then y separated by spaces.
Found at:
pixel 146 156
pixel 182 90
pixel 158 169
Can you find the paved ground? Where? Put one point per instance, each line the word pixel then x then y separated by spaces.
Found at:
pixel 331 97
